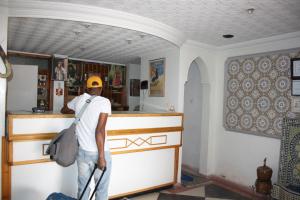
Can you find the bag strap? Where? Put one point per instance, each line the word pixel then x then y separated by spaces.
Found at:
pixel 87 102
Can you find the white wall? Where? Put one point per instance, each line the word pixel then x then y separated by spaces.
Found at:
pixel 133 72
pixel 171 80
pixel 233 155
pixel 3 42
pixel 22 88
pixel 237 155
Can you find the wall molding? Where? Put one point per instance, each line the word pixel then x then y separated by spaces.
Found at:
pixel 93 14
pixel 197 44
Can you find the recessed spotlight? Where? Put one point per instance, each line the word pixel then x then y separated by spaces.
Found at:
pixel 77 32
pixel 129 41
pixel 86 25
pixel 250 11
pixel 142 35
pixel 228 36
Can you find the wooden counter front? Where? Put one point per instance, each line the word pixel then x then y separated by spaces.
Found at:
pixel 145 148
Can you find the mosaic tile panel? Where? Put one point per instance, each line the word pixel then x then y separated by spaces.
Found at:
pixel 257 94
pixel 289 167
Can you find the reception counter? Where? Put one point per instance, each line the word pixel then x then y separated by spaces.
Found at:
pixel 145 154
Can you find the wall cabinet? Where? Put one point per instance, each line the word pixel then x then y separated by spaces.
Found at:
pixel 113 77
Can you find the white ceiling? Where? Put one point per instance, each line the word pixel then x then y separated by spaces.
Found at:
pixel 81 40
pixel 207 20
pixel 204 21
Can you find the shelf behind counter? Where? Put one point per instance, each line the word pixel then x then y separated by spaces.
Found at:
pixel 144 146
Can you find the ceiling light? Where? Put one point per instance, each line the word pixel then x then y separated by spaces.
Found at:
pixel 77 32
pixel 129 41
pixel 228 36
pixel 250 10
pixel 82 48
pixel 142 35
pixel 86 25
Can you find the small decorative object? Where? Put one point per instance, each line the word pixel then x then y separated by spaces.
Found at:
pixel 5 63
pixel 157 78
pixel 263 182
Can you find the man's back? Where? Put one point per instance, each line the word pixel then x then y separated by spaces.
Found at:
pixel 89 120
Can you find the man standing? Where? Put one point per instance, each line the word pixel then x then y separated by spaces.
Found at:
pixel 93 146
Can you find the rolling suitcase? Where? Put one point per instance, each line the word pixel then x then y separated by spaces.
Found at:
pixel 61 196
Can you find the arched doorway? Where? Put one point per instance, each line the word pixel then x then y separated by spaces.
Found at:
pixel 196 112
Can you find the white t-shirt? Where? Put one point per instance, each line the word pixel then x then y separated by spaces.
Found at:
pixel 86 128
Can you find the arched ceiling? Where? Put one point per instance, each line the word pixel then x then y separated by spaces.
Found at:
pixel 81 40
pixel 207 20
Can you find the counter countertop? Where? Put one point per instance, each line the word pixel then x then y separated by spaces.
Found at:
pixel 114 114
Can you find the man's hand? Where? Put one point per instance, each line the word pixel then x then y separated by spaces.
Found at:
pixel 66 110
pixel 101 163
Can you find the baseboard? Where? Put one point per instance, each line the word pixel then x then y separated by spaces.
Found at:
pixel 235 187
pixel 190 170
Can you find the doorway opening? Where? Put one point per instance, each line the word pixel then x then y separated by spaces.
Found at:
pixel 196 114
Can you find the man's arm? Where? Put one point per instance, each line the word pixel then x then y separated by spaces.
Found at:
pixel 66 110
pixel 100 139
pixel 69 108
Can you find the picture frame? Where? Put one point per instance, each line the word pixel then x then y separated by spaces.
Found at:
pixel 295 68
pixel 59 69
pixel 295 88
pixel 75 76
pixel 157 77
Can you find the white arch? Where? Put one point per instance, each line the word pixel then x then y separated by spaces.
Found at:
pixel 93 14
pixel 204 87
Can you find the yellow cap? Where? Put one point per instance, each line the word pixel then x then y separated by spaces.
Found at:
pixel 94 82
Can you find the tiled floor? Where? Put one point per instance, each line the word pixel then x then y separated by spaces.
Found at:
pixel 205 192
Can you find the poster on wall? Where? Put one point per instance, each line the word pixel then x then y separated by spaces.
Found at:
pixel 116 76
pixel 75 76
pixel 59 68
pixel 58 95
pixel 157 77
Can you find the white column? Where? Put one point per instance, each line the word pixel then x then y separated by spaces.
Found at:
pixel 3 43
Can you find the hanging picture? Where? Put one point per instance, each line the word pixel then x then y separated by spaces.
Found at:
pixel 116 76
pixel 135 87
pixel 157 78
pixel 59 69
pixel 75 73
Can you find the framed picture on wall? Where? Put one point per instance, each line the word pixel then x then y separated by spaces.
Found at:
pixel 157 77
pixel 60 69
pixel 296 87
pixel 295 68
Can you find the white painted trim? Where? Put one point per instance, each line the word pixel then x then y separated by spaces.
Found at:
pixel 95 61
pixel 64 56
pixel 200 45
pixel 260 41
pixel 93 14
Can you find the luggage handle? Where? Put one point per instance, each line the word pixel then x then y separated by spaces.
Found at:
pixel 88 182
